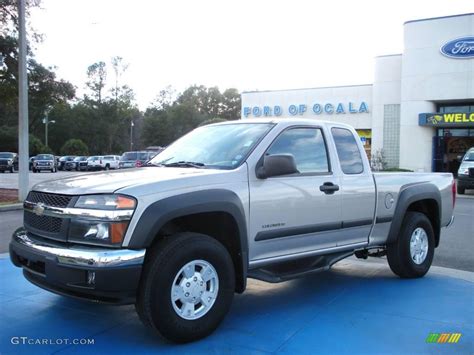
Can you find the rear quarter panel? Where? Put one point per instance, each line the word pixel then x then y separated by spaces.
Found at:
pixel 389 187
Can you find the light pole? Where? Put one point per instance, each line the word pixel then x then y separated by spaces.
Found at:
pixel 131 135
pixel 46 122
pixel 23 148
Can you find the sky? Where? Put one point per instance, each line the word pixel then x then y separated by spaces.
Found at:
pixel 248 45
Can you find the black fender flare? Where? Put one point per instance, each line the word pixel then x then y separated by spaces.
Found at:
pixel 156 215
pixel 409 194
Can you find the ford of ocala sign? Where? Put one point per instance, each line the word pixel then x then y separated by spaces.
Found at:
pixel 301 109
pixel 461 48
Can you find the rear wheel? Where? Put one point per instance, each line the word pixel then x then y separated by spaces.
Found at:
pixel 412 254
pixel 187 287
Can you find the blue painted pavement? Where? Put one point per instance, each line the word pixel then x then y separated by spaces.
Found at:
pixel 356 308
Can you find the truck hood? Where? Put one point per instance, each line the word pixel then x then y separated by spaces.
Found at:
pixel 111 181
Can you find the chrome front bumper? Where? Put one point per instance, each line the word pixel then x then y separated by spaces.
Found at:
pixel 80 256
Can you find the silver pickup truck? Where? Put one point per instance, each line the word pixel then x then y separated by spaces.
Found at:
pixel 266 199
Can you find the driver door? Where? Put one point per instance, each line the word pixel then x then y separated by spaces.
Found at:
pixel 290 214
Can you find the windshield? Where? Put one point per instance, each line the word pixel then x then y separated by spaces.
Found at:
pixel 220 146
pixel 6 155
pixel 129 156
pixel 143 156
pixel 79 158
pixel 469 156
pixel 93 158
pixel 44 157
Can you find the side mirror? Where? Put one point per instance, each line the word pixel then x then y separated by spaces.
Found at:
pixel 276 165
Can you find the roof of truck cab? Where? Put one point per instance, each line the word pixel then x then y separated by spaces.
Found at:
pixel 286 121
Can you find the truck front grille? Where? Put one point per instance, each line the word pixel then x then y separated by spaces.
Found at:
pixel 43 223
pixel 46 226
pixel 53 200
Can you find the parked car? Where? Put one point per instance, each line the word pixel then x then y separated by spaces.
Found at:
pixel 74 164
pixel 135 159
pixel 111 162
pixel 32 159
pixel 267 199
pixel 96 162
pixel 466 172
pixel 63 160
pixel 45 162
pixel 8 162
pixel 82 165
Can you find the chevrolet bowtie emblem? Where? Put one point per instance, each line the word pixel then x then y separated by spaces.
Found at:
pixel 38 209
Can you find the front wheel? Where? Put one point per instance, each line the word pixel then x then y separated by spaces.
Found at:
pixel 187 287
pixel 412 254
pixel 461 190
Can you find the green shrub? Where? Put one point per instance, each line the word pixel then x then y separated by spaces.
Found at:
pixel 74 147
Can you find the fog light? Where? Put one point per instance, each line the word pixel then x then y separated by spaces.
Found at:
pixel 91 277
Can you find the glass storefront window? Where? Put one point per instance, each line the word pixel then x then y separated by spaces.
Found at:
pixel 456 108
pixel 455 132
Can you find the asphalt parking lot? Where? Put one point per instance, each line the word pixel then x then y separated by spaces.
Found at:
pixel 10 181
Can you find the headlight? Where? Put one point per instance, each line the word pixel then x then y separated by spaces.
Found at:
pixel 463 171
pixel 106 202
pixel 92 230
pixel 9 162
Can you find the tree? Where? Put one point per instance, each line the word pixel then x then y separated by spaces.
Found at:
pixel 37 147
pixel 97 77
pixel 119 68
pixel 45 90
pixel 231 104
pixel 74 147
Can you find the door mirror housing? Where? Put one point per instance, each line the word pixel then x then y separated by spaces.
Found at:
pixel 276 165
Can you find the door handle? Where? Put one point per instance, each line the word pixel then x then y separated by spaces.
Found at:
pixel 329 188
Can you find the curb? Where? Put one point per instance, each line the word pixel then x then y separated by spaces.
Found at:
pixel 12 207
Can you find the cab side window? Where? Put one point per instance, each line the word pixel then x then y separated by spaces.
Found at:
pixel 307 147
pixel 347 151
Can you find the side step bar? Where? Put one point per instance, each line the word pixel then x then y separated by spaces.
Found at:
pixel 298 268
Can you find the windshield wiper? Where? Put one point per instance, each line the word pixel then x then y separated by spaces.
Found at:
pixel 186 164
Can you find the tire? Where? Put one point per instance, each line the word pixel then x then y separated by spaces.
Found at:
pixel 12 170
pixel 162 269
pixel 399 255
pixel 107 167
pixel 34 170
pixel 461 190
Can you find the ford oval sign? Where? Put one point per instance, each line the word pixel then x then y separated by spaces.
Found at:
pixel 461 48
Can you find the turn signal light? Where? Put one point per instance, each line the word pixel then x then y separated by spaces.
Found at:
pixel 117 232
pixel 125 202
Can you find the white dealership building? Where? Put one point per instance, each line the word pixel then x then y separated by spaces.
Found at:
pixel 420 109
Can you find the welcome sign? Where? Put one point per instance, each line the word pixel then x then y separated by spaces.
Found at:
pixel 452 119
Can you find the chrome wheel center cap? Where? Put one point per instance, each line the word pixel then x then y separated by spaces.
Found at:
pixel 195 289
pixel 419 246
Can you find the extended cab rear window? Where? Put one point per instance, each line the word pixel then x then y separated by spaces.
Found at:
pixel 347 151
